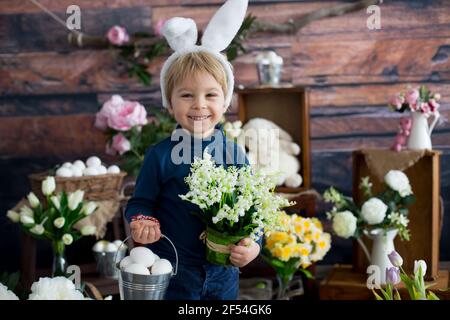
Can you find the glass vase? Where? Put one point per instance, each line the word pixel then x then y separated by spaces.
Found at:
pixel 59 265
pixel 284 282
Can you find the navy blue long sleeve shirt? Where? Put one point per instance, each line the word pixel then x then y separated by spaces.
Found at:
pixel 161 181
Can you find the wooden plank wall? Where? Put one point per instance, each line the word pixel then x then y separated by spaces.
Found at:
pixel 49 91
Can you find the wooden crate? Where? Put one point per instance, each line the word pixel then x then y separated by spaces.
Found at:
pixel 288 107
pixel 424 214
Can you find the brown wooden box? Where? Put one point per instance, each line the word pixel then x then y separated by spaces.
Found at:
pixel 424 214
pixel 288 107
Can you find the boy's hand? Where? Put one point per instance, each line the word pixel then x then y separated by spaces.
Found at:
pixel 145 231
pixel 244 252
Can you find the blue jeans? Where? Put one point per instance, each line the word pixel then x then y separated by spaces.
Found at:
pixel 207 282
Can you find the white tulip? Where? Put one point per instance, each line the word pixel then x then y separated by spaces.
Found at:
pixel 75 199
pixel 420 264
pixel 38 229
pixel 89 207
pixel 59 222
pixel 88 230
pixel 48 186
pixel 26 211
pixel 26 219
pixel 33 200
pixel 55 200
pixel 373 211
pixel 67 239
pixel 13 216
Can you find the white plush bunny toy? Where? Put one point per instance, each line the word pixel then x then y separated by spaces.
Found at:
pixel 271 150
pixel 181 34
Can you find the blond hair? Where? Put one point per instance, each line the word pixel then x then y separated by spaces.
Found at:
pixel 191 63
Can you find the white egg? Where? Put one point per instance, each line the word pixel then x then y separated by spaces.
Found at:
pixel 102 170
pixel 93 162
pixel 142 255
pixel 113 169
pixel 137 269
pixel 118 244
pixel 90 171
pixel 161 266
pixel 110 247
pixel 67 165
pixel 156 257
pixel 76 171
pixel 125 262
pixel 80 164
pixel 64 172
pixel 99 246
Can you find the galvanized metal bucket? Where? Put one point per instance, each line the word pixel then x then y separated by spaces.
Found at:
pixel 144 287
pixel 106 265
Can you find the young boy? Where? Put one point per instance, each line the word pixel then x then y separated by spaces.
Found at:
pixel 197 93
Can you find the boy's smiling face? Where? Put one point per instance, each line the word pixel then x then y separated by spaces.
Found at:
pixel 197 103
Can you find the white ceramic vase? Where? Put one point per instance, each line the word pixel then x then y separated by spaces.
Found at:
pixel 420 136
pixel 382 245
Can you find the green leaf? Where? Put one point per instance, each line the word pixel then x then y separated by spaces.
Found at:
pixel 377 296
pixel 432 296
pixel 397 295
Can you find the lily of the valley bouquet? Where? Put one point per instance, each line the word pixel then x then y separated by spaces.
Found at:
pixel 130 132
pixel 386 210
pixel 293 246
pixel 55 219
pixel 234 203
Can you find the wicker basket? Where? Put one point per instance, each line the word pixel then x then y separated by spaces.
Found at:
pixel 101 187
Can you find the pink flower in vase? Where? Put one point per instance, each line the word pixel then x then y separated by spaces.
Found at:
pixel 425 109
pixel 412 96
pixel 405 125
pixel 127 115
pixel 397 101
pixel 117 35
pixel 433 105
pixel 120 143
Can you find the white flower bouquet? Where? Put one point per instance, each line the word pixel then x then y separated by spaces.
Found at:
pixel 386 210
pixel 55 219
pixel 235 203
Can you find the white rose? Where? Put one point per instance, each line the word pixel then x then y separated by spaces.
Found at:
pixel 48 186
pixel 33 200
pixel 373 211
pixel 59 222
pixel 422 264
pixel 88 230
pixel 344 224
pixel 6 294
pixel 13 216
pixel 67 239
pixel 399 182
pixel 75 199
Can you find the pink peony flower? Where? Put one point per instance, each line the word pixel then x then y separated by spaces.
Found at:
pixel 127 115
pixel 101 118
pixel 425 108
pixel 159 26
pixel 412 96
pixel 396 147
pixel 405 125
pixel 120 143
pixel 117 35
pixel 397 101
pixel 400 139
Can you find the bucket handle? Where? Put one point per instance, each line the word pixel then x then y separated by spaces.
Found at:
pixel 174 273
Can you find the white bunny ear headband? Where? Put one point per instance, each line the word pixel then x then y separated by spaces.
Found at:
pixel 181 34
